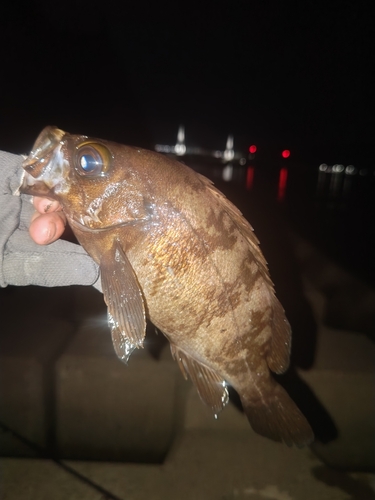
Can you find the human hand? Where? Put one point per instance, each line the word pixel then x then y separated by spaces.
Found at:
pixel 39 260
pixel 48 222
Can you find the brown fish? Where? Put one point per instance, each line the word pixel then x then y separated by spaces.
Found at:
pixel 172 248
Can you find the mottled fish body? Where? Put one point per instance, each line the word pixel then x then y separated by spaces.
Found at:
pixel 172 248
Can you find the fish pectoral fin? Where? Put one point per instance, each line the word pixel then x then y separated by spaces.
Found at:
pixel 210 385
pixel 123 296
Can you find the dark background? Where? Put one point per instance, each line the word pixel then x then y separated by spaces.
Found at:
pixel 277 74
pixel 298 74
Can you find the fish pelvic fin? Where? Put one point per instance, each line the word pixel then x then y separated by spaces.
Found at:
pixel 123 296
pixel 275 416
pixel 210 385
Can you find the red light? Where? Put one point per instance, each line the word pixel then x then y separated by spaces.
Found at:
pixel 252 149
pixel 285 153
pixel 249 177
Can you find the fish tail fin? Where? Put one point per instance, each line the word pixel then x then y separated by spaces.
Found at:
pixel 276 416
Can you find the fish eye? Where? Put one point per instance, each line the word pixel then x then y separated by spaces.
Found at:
pixel 92 159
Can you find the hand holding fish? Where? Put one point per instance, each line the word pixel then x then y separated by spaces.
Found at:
pixel 48 222
pixel 24 262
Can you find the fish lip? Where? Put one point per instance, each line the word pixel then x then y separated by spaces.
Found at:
pixel 46 169
pixel 43 150
pixel 77 224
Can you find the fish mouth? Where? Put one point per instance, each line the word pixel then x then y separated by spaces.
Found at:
pixel 42 151
pixel 36 188
pixel 45 167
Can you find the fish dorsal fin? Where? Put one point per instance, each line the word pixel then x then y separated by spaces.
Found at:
pixel 280 344
pixel 123 296
pixel 243 226
pixel 210 385
pixel 278 357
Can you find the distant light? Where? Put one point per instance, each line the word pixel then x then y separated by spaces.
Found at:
pixel 181 134
pixel 323 167
pixel 350 170
pixel 180 149
pixel 285 153
pixel 337 169
pixel 252 149
pixel 228 155
pixel 242 161
pixel 161 148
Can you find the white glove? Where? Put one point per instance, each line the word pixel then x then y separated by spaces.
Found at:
pixel 24 262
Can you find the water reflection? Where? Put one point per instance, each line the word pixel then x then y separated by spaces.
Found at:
pixel 250 177
pixel 283 178
pixel 228 172
pixel 338 183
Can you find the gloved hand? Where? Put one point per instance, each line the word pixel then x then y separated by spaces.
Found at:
pixel 23 262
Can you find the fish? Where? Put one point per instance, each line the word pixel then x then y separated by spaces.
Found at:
pixel 173 249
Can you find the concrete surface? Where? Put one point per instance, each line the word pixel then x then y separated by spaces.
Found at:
pixel 27 358
pixel 133 418
pixel 147 412
pixel 201 465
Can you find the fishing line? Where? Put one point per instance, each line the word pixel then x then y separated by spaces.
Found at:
pixel 67 468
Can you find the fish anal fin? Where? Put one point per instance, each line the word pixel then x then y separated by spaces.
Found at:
pixel 279 352
pixel 123 296
pixel 210 385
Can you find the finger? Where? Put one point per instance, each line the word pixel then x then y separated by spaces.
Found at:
pixel 44 205
pixel 45 229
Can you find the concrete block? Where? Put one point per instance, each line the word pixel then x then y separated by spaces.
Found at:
pixel 349 301
pixel 107 410
pixel 344 351
pixel 349 399
pixel 343 379
pixel 33 334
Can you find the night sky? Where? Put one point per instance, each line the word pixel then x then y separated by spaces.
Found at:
pixel 298 74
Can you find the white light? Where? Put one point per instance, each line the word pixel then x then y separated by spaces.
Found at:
pixel 242 161
pixel 337 169
pixel 228 154
pixel 181 134
pixel 180 149
pixel 161 148
pixel 350 170
pixel 229 142
pixel 323 167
